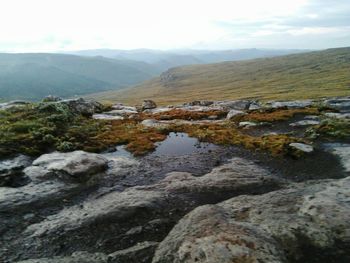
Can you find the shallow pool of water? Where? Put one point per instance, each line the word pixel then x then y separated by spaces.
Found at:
pixel 181 144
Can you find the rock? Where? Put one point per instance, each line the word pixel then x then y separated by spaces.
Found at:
pixel 341 150
pixel 148 105
pixel 79 165
pixel 255 106
pixel 178 191
pixel 233 105
pixel 337 115
pixel 13 104
pixel 77 257
pixel 247 124
pixel 123 112
pixel 234 113
pixel 106 117
pixel 199 103
pixel 308 222
pixel 213 117
pixel 290 104
pixel 302 147
pixel 51 98
pixel 312 117
pixel 11 169
pixel 54 176
pixel 304 123
pixel 342 104
pixel 140 253
pixel 158 110
pixel 122 107
pixel 153 124
pixel 81 106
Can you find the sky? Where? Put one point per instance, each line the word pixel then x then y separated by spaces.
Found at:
pixel 67 25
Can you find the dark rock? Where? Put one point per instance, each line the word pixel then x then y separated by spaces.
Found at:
pixel 148 105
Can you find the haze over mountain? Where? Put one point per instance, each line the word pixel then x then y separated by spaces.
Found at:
pixel 308 75
pixel 164 60
pixel 35 75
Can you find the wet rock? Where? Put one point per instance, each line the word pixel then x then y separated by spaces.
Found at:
pixel 11 169
pixel 233 105
pixel 148 104
pixel 304 123
pixel 307 222
pixel 51 98
pixel 341 150
pixel 140 253
pixel 290 104
pixel 78 165
pixel 81 106
pixel 77 257
pixel 234 113
pixel 302 147
pixel 177 191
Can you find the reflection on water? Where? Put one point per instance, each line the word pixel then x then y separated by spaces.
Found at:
pixel 181 144
pixel 176 144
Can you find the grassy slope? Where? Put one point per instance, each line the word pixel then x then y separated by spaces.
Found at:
pixel 309 75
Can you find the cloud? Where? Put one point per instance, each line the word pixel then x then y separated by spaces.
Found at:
pixel 41 25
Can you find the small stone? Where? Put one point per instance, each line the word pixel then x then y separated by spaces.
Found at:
pixel 302 147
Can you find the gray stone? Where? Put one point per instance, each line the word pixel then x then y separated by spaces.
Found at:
pixel 106 117
pixel 247 124
pixel 148 104
pixel 304 123
pixel 234 113
pixel 337 115
pixel 290 104
pixel 78 165
pixel 281 226
pixel 302 147
pixel 153 124
pixel 13 104
pixel 81 106
pixel 234 105
pixel 342 104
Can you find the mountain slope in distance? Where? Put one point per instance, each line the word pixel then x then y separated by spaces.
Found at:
pixel 32 76
pixel 299 76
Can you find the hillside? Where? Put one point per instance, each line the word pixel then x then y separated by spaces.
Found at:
pixel 163 60
pixel 32 76
pixel 308 75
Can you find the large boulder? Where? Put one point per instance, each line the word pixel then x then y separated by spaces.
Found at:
pixel 148 105
pixel 81 106
pixel 308 222
pixel 78 165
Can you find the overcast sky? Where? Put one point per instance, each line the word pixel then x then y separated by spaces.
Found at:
pixel 54 25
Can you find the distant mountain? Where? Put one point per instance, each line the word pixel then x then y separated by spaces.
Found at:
pixel 299 76
pixel 32 76
pixel 163 60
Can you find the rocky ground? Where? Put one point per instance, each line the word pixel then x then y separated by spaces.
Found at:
pixel 228 181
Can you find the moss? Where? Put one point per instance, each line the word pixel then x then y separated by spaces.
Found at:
pixel 229 135
pixel 274 115
pixel 182 114
pixel 331 128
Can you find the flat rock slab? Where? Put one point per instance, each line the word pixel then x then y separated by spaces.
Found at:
pixel 308 222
